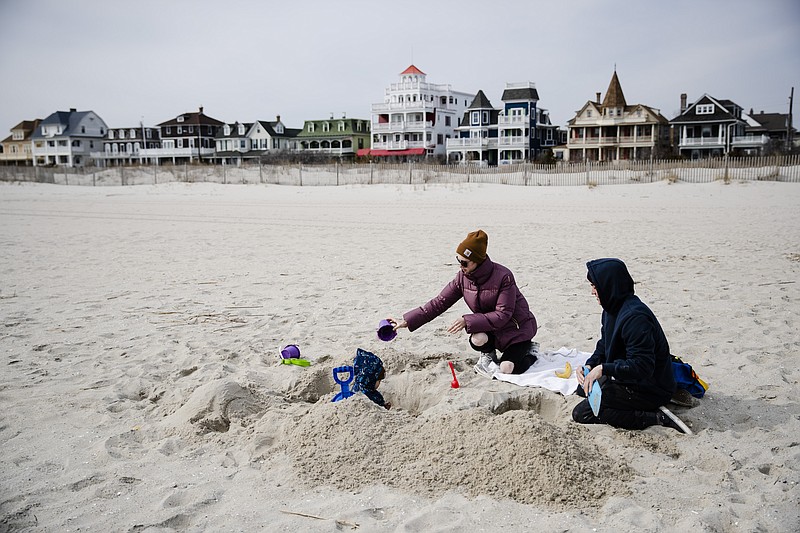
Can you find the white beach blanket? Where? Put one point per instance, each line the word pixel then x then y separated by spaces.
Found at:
pixel 542 372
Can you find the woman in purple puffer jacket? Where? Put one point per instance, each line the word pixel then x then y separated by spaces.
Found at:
pixel 500 319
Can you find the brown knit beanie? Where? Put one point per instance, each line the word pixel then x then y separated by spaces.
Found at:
pixel 474 246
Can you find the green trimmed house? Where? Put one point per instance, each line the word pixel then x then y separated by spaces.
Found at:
pixel 335 137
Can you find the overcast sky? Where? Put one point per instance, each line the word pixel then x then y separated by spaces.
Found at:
pixel 152 60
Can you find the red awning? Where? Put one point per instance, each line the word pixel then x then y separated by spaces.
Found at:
pixel 362 152
pixel 389 153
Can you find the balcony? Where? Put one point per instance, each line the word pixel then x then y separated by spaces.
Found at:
pixel 702 141
pixel 520 120
pixel 418 85
pixel 406 106
pixel 750 141
pixel 516 141
pixel 400 127
pixel 477 143
pixel 398 145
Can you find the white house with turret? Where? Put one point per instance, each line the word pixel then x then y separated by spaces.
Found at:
pixel 416 117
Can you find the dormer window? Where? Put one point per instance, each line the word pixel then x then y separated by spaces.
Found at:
pixel 226 130
pixel 110 134
pixel 326 126
pixel 704 109
pixel 279 129
pixel 311 127
pixel 241 129
pixel 180 118
pixel 340 126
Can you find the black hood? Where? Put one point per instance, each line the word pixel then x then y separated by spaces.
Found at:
pixel 612 280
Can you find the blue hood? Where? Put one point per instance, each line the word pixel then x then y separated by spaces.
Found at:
pixel 612 280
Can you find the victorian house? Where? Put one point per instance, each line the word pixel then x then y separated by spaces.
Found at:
pixel 517 132
pixel 476 137
pixel 711 128
pixel 67 138
pixel 126 146
pixel 613 130
pixel 238 142
pixel 342 137
pixel 187 138
pixel 16 148
pixel 416 117
pixel 524 128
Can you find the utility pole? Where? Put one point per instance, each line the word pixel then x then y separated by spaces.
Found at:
pixel 789 140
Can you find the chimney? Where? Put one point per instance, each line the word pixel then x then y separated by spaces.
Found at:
pixel 201 110
pixel 683 102
pixel 597 99
pixel 277 118
pixel 72 110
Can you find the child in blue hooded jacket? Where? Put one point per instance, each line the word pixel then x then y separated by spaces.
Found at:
pixel 631 362
pixel 369 371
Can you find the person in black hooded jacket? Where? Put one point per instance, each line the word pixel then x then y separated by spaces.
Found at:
pixel 631 362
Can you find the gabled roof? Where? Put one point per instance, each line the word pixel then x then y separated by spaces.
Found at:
pixel 68 119
pixel 27 125
pixel 412 70
pixel 269 126
pixel 614 95
pixel 720 114
pixel 234 130
pixel 480 101
pixel 772 121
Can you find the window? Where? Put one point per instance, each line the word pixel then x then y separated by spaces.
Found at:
pixel 311 127
pixel 180 130
pixel 326 126
pixel 191 129
pixel 180 118
pixel 446 121
pixel 226 130
pixel 279 129
pixel 341 126
pixel 358 126
pixel 180 143
pixel 589 113
pixel 132 133
pixel 705 109
pixel 241 129
pixel 475 118
pixel 169 130
pixel 110 134
pixel 440 139
pixel 485 117
pixel 83 129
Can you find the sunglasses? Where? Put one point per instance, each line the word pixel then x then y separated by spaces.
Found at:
pixel 464 264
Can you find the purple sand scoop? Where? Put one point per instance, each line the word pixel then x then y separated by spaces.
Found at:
pixel 386 331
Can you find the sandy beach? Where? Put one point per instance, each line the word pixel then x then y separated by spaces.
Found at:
pixel 141 387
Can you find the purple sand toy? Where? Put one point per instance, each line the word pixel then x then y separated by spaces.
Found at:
pixel 386 331
pixel 290 351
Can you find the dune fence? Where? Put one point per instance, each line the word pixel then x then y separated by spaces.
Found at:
pixel 775 168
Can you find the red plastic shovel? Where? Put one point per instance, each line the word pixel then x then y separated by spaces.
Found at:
pixel 454 384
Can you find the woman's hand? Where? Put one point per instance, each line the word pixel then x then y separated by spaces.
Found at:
pixel 590 378
pixel 457 326
pixel 397 325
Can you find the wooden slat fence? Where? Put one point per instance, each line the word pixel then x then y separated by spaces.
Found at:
pixel 774 168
